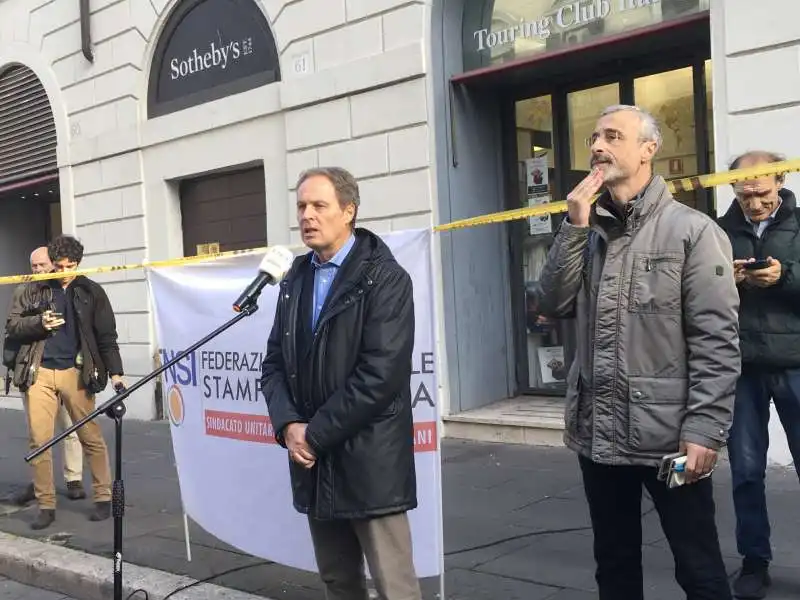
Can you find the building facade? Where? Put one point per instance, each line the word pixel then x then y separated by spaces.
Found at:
pixel 183 123
pixel 161 128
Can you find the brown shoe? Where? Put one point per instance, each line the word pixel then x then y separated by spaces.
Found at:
pixel 75 490
pixel 102 511
pixel 44 519
pixel 25 496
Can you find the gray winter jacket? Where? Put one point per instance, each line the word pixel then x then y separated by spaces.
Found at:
pixel 655 305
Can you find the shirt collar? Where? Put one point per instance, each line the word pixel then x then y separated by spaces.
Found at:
pixel 337 258
pixel 624 212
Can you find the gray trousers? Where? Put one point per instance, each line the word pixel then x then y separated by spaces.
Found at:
pixel 340 547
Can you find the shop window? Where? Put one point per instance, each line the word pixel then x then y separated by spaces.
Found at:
pixel 669 97
pixel 536 176
pixel 710 131
pixel 583 109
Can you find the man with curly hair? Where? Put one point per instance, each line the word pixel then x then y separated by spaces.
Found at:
pixel 68 348
pixel 73 453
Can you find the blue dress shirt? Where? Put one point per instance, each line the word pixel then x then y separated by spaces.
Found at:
pixel 324 274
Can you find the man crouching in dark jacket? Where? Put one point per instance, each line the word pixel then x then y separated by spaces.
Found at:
pixel 336 377
pixel 68 347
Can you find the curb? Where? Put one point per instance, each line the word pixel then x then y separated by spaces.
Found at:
pixel 89 577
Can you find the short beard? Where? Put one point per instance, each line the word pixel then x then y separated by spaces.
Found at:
pixel 611 171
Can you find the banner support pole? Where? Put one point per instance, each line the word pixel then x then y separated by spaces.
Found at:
pixel 186 536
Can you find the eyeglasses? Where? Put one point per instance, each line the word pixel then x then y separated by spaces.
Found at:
pixel 611 137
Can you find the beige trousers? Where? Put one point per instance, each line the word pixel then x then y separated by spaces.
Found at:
pixel 43 402
pixel 73 453
pixel 341 546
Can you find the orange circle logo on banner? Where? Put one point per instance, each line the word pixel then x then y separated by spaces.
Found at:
pixel 175 405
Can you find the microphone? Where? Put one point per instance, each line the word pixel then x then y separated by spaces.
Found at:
pixel 273 267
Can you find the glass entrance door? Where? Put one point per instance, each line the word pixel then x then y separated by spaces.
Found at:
pixel 553 156
pixel 583 108
pixel 670 98
pixel 536 161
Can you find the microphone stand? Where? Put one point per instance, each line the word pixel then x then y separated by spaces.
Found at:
pixel 115 409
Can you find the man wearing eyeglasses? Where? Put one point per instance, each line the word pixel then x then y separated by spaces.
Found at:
pixel 68 348
pixel 649 283
pixel 764 231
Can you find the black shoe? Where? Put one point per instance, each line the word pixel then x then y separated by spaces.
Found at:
pixel 24 497
pixel 44 519
pixel 75 490
pixel 753 580
pixel 102 511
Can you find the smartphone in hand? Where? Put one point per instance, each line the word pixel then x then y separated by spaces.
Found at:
pixel 53 320
pixel 756 265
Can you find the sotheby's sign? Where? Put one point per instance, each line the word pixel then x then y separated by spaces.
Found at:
pixel 210 49
pixel 216 56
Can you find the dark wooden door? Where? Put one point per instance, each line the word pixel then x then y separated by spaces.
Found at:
pixel 228 209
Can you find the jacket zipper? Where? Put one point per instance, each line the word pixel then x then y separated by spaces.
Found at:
pixel 651 261
pixel 621 280
pixel 594 336
pixel 318 343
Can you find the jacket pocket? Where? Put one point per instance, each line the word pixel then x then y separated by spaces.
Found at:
pixel 302 481
pixel 656 283
pixel 656 408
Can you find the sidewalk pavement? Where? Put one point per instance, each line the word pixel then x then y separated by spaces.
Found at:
pixel 516 524
pixel 11 590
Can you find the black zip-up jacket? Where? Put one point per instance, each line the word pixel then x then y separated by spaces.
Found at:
pixel 769 318
pixel 350 381
pixel 97 332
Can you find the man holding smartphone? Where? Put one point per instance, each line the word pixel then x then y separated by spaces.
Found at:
pixel 73 453
pixel 764 230
pixel 648 282
pixel 68 348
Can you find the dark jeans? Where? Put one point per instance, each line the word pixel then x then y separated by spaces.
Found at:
pixel 687 518
pixel 747 450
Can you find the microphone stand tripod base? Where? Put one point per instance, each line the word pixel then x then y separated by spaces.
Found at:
pixel 115 409
pixel 116 412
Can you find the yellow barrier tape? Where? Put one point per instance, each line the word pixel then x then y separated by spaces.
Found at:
pixel 172 262
pixel 674 185
pixel 685 184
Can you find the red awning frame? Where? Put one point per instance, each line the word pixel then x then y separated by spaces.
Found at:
pixel 27 183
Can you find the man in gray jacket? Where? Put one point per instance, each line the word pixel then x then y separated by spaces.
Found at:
pixel 649 282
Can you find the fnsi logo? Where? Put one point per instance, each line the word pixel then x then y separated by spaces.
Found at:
pixel 175 405
pixel 184 372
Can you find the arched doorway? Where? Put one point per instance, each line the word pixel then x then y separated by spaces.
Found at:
pixel 30 211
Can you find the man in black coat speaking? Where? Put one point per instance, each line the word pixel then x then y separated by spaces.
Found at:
pixel 336 377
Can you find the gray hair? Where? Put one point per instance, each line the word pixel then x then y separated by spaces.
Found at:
pixel 760 156
pixel 650 130
pixel 343 182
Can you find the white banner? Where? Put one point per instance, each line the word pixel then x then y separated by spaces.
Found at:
pixel 234 478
